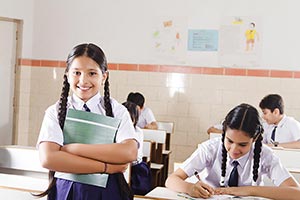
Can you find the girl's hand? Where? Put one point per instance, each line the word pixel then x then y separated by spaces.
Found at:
pixel 235 191
pixel 202 190
pixel 114 168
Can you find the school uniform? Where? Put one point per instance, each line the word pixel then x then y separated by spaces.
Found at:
pixel 140 139
pixel 288 130
pixel 146 117
pixel 51 132
pixel 140 171
pixel 208 157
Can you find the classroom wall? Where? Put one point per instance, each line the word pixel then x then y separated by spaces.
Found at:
pixel 192 99
pixel 22 10
pixel 125 29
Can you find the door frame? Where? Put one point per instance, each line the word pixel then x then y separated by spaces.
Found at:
pixel 18 48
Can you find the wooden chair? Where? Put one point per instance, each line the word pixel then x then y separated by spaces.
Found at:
pixel 169 128
pixel 158 166
pixel 159 137
pixel 148 151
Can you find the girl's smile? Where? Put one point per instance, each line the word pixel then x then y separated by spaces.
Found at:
pixel 237 143
pixel 85 77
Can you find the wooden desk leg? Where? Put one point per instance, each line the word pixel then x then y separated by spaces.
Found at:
pixel 168 141
pixel 165 170
pixel 156 177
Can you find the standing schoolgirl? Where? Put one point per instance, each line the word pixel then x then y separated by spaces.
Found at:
pixel 236 159
pixel 85 74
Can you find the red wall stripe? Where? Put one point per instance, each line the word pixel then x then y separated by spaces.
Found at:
pixel 174 69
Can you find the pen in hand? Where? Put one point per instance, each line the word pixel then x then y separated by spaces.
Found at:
pixel 199 179
pixel 197 175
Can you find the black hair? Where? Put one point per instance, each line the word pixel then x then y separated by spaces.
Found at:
pixel 133 111
pixel 136 98
pixel 243 117
pixel 95 53
pixel 272 101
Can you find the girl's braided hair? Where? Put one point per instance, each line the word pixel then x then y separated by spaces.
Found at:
pixel 246 118
pixel 94 52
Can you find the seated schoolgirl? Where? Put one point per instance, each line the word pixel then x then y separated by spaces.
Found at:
pixel 236 159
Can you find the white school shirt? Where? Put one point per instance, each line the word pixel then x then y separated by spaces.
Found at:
pixel 146 117
pixel 208 157
pixel 140 135
pixel 288 130
pixel 51 131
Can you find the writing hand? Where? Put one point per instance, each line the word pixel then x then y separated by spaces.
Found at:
pixel 236 191
pixel 202 190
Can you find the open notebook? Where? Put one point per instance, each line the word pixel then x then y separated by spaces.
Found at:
pixel 88 128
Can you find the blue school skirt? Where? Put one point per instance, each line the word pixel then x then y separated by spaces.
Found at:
pixel 69 190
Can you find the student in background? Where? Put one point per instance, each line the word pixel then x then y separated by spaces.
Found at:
pixel 146 118
pixel 85 75
pixel 217 128
pixel 140 178
pixel 232 159
pixel 280 130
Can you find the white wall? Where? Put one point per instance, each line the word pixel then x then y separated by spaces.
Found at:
pixel 22 10
pixel 124 28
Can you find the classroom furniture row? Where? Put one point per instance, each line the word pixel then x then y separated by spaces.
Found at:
pixel 157 151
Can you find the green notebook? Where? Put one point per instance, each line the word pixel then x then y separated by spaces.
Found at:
pixel 88 128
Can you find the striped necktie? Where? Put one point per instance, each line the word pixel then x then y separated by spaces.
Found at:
pixel 234 175
pixel 86 108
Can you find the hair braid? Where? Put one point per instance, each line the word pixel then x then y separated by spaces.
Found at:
pixel 224 161
pixel 256 156
pixel 107 103
pixel 62 105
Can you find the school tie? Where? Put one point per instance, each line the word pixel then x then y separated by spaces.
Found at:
pixel 86 108
pixel 273 134
pixel 234 175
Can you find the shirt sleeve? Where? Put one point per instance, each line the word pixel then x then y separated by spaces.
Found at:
pixel 294 126
pixel 149 116
pixel 50 129
pixel 274 168
pixel 201 158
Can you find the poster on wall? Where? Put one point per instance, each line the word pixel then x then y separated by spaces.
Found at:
pixel 169 39
pixel 240 42
pixel 202 40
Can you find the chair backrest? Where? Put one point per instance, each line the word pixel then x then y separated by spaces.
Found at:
pixel 149 151
pixel 147 146
pixel 158 136
pixel 167 126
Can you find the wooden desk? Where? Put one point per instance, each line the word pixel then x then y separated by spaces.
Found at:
pixel 165 193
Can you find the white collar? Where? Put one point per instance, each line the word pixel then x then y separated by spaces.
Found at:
pixel 77 103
